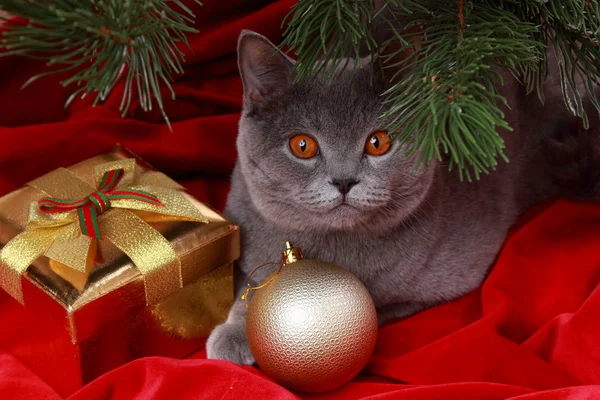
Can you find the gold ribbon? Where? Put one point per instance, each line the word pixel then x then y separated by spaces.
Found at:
pixel 57 236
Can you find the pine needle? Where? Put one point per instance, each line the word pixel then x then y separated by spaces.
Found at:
pixel 100 41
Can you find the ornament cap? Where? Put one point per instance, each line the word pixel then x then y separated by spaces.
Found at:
pixel 291 254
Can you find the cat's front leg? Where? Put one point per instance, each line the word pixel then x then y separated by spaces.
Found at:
pixel 228 341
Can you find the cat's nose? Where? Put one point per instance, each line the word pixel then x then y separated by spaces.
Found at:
pixel 344 185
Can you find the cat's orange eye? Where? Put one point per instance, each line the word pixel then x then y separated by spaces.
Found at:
pixel 378 143
pixel 304 146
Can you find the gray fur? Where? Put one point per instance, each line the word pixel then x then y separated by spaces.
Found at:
pixel 414 239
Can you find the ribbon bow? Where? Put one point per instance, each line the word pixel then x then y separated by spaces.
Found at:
pixel 95 204
pixel 116 209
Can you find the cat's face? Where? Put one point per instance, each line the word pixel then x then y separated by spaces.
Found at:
pixel 307 150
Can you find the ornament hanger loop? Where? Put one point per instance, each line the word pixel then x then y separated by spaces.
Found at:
pixel 290 255
pixel 250 287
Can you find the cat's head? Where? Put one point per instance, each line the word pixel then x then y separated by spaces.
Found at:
pixel 310 153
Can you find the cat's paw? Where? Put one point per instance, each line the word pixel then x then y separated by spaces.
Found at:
pixel 228 342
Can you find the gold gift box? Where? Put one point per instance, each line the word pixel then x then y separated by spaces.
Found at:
pixel 76 326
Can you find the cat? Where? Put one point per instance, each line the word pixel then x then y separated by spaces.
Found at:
pixel 415 239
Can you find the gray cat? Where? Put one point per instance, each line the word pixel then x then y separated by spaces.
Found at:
pixel 414 239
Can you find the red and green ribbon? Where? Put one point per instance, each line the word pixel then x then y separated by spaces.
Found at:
pixel 92 206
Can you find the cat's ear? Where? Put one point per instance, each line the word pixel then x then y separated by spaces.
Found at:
pixel 266 72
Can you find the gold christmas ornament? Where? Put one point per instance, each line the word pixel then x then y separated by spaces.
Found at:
pixel 312 326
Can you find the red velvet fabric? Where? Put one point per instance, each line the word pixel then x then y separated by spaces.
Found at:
pixel 532 332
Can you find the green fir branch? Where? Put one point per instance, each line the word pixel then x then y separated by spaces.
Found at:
pixel 577 46
pixel 572 29
pixel 99 41
pixel 325 33
pixel 443 98
pixel 448 102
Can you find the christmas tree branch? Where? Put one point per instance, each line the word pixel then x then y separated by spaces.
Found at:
pixel 444 95
pixel 448 103
pixel 99 41
pixel 573 29
pixel 325 32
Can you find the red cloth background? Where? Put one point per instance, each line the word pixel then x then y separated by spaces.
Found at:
pixel 532 331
